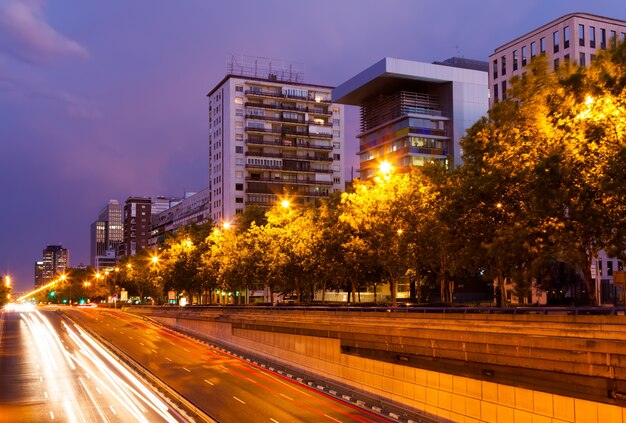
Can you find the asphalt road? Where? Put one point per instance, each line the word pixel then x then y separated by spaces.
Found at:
pixel 227 388
pixel 50 370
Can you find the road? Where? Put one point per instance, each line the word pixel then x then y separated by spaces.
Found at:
pixel 50 370
pixel 227 388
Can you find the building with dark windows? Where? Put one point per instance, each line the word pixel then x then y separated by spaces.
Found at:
pixel 271 136
pixel 414 112
pixel 137 221
pixel 38 273
pixel 575 37
pixel 55 261
pixel 194 208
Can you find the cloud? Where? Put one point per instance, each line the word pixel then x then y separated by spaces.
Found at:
pixel 25 35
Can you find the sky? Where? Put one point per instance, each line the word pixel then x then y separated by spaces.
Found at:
pixel 106 100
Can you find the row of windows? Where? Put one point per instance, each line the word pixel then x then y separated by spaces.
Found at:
pixel 520 57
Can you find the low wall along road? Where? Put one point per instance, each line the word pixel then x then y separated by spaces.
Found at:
pixel 458 367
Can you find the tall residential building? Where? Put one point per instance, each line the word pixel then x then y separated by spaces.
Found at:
pixel 271 136
pixel 107 233
pixel 137 221
pixel 414 112
pixel 55 262
pixel 194 208
pixel 575 37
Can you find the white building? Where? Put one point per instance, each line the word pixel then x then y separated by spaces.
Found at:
pixel 412 112
pixel 271 136
pixel 574 37
pixel 194 208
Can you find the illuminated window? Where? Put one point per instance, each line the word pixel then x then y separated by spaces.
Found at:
pixel 238 100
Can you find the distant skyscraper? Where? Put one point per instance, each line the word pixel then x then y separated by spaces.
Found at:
pixel 271 136
pixel 575 37
pixel 55 262
pixel 106 234
pixel 38 273
pixel 414 112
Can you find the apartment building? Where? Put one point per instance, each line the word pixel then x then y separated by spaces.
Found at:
pixel 194 208
pixel 575 37
pixel 414 112
pixel 271 136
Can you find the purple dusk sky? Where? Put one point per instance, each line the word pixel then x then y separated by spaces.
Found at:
pixel 104 100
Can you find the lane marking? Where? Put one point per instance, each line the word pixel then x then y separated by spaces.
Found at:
pixel 186 349
pixel 283 395
pixel 275 421
pixel 253 381
pixel 209 382
pixel 154 351
pixel 131 337
pixel 238 399
pixel 186 369
pixel 141 343
pixel 112 409
pixel 168 359
pixel 332 418
pixel 99 391
pixel 51 415
pixel 45 394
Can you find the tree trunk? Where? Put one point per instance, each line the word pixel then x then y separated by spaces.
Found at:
pixel 590 283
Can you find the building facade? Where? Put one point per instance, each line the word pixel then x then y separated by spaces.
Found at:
pixel 55 261
pixel 107 233
pixel 413 112
pixel 194 208
pixel 271 136
pixel 575 37
pixel 39 273
pixel 137 221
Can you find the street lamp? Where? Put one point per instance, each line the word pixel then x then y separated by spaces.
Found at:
pixel 285 204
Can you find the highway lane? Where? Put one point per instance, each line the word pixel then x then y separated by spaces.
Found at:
pixel 225 387
pixel 50 370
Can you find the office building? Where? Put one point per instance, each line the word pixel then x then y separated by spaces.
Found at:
pixel 414 112
pixel 271 136
pixel 55 262
pixel 38 273
pixel 107 233
pixel 575 37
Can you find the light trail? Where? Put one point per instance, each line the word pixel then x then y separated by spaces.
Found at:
pixel 107 386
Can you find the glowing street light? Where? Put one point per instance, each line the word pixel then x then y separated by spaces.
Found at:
pixel 385 168
pixel 285 204
pixel 154 259
pixel 7 281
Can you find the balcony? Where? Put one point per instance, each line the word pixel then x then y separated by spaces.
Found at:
pixel 288 144
pixel 276 131
pixel 288 181
pixel 289 168
pixel 291 156
pixel 262 93
pixel 291 107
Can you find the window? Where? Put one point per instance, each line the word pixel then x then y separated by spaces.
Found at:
pixel 556 64
pixel 336 134
pixel 238 199
pixel 336 110
pixel 238 187
pixel 336 122
pixel 566 58
pixel 609 268
pixel 514 60
pixel 542 45
pixel 592 37
pixel 239 174
pixel 503 90
pixel 495 92
pixel 566 37
pixel 239 162
pixel 581 35
pixel 524 56
pixel 533 49
pixel 495 69
pixel 239 88
pixel 336 156
pixel 622 37
pixel 239 149
pixel 613 38
pixel 238 137
pixel 239 112
pixel 239 124
pixel 581 60
pixel 238 100
pixel 555 41
pixel 503 65
pixel 603 39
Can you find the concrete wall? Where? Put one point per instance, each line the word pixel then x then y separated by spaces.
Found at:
pixel 548 355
